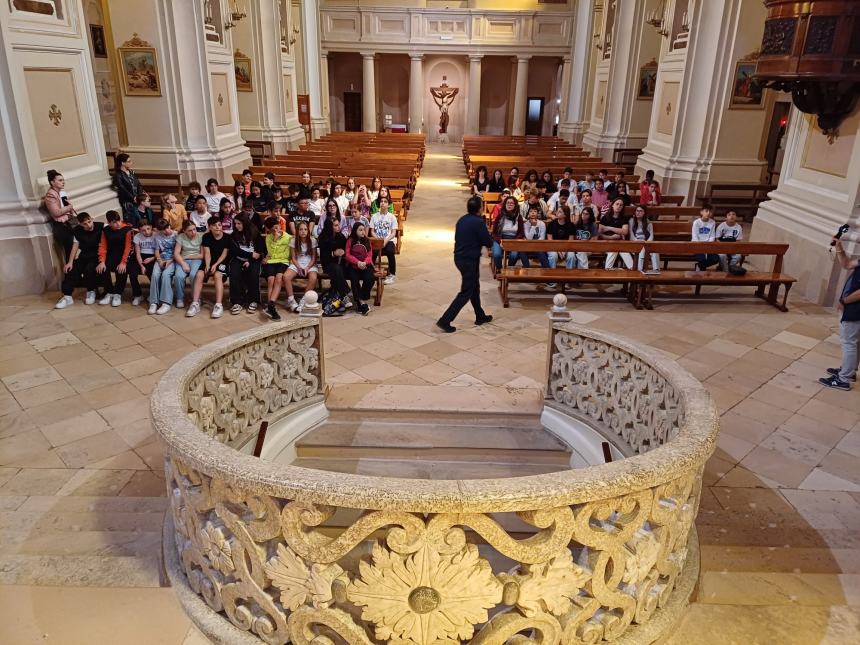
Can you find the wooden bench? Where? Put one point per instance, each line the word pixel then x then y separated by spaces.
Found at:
pixel 639 287
pixel 259 150
pixel 742 198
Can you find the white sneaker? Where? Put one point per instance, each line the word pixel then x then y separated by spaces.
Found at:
pixel 163 309
pixel 180 304
pixel 152 309
pixel 64 302
pixel 193 310
pixel 115 300
pixel 136 301
pixel 390 279
pixel 217 310
pixel 106 300
pixel 292 305
pixel 91 297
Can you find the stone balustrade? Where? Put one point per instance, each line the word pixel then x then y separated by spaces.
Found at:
pixel 259 551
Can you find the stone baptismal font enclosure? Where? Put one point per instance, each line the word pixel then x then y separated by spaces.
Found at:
pixel 262 551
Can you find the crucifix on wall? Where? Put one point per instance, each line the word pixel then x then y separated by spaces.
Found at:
pixel 443 96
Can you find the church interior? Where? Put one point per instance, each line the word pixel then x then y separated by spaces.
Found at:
pixel 648 432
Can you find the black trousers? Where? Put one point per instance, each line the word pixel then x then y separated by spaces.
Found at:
pixel 703 261
pixel 390 253
pixel 63 236
pixel 362 282
pixel 470 290
pixel 134 274
pixel 83 274
pixel 335 271
pixel 117 285
pixel 244 282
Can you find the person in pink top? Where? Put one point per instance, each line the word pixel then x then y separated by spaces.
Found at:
pixel 599 196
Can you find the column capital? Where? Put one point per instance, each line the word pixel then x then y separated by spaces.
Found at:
pixel 368 55
pixel 475 57
pixel 523 58
pixel 414 56
pixel 567 59
pixel 323 54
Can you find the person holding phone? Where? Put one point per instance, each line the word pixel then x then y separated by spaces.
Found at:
pixel 56 203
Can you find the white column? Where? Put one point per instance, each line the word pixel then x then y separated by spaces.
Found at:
pixel 520 97
pixel 473 104
pixel 416 93
pixel 325 88
pixel 311 51
pixel 575 121
pixel 565 89
pixel 368 94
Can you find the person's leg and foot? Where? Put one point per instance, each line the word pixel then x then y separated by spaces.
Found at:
pixel 70 280
pixel 655 262
pixel 218 308
pixel 291 273
pixel 107 285
pixel 724 262
pixel 196 290
pixel 849 335
pixel 627 259
pixel 154 285
pixel 274 282
pixel 611 256
pixel 570 260
pixel 497 255
pixel 252 286
pixel 468 276
pixel 390 253
pixel 481 316
pixel 165 289
pixel 237 286
pixel 91 279
pixel 640 261
pixel 582 260
pixel 551 262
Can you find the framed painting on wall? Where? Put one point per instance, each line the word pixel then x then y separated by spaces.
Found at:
pixel 647 81
pixel 97 36
pixel 139 68
pixel 242 68
pixel 747 93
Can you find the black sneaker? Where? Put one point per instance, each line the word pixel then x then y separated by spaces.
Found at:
pixel 363 308
pixel 448 328
pixel 484 319
pixel 834 382
pixel 834 371
pixel 272 312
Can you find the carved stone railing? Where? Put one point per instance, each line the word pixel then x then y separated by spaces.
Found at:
pixel 259 551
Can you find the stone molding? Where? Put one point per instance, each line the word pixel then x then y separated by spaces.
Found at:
pixel 611 547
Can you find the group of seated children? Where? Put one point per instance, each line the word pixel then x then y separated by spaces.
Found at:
pixel 529 221
pixel 236 239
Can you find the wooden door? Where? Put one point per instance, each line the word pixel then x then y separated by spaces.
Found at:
pixel 352 111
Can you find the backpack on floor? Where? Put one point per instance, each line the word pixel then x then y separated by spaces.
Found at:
pixel 332 303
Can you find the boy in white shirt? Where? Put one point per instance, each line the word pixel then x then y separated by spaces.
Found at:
pixel 705 230
pixel 384 225
pixel 730 231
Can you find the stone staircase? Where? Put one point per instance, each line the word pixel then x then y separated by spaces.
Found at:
pixel 438 445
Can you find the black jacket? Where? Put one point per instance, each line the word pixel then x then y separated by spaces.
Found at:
pixel 470 235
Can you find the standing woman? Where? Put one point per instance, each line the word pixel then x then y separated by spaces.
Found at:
pixel 126 184
pixel 247 250
pixel 62 213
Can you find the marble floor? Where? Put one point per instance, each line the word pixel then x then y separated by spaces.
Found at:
pixel 82 489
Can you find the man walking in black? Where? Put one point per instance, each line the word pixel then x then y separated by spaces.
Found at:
pixel 470 236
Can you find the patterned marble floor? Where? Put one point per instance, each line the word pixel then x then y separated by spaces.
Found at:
pixel 82 490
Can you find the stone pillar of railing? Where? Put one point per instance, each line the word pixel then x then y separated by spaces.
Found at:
pixel 313 309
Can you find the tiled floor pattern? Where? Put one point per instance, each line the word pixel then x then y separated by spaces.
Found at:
pixel 82 490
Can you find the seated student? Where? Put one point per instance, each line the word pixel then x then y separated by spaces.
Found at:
pixel 279 199
pixel 238 197
pixel 348 193
pixel 340 198
pixel 534 229
pixel 534 199
pixel 173 212
pixel 520 190
pixel 547 183
pixel 258 202
pixel 247 248
pixel 508 225
pixel 532 177
pixel 383 192
pixel 267 186
pixel 362 273
pixel 226 213
pixel 247 180
pixel 481 183
pixel 163 269
pixel 303 214
pixel 614 226
pixel 383 224
pixel 497 182
pixel 216 265
pixel 612 186
pixel 554 200
pixel 585 202
pixel 620 192
pixel 587 183
pixel 271 210
pixel 194 190
pixel 275 263
pixel 303 264
pixel 705 230
pixel 585 227
pixel 187 259
pixel 560 228
pixel 114 251
pixel 332 249
pixel 316 203
pixel 199 215
pixel 649 190
pixel 307 186
pixel 730 231
pixel 373 190
pixel 213 196
pixel 142 261
pixel 80 270
pixel 599 196
pixel 603 176
pixel 642 230
pixel 513 177
pixel 330 211
pixel 142 213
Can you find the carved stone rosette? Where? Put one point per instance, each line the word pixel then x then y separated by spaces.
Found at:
pixel 286 554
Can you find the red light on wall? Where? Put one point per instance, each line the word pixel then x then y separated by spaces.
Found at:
pixel 783 121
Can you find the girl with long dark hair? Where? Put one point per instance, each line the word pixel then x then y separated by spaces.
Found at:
pixel 332 252
pixel 126 184
pixel 361 270
pixel 509 225
pixel 247 248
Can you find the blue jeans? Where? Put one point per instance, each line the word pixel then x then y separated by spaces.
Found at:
pixel 161 284
pixel 179 277
pixel 569 260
